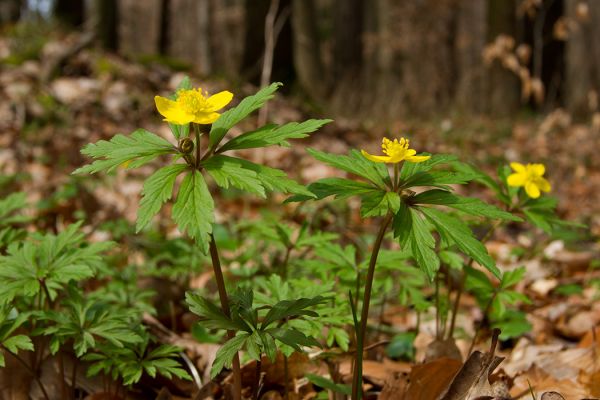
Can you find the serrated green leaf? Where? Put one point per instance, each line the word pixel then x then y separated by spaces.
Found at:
pixel 329 384
pixel 293 338
pixel 225 354
pixel 139 148
pixel 274 135
pixel 415 237
pixel 439 179
pixel 269 346
pixel 339 187
pixel 226 171
pixel 356 164
pixel 234 115
pixel 455 231
pixel 409 169
pixel 291 308
pixel 18 342
pixel 272 179
pixel 468 205
pixel 13 202
pixel 158 188
pixel 213 315
pixel 379 203
pixel 193 210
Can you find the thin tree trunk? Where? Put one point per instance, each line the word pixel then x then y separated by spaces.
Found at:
pixel 189 33
pixel 582 58
pixel 139 29
pixel 503 85
pixel 307 51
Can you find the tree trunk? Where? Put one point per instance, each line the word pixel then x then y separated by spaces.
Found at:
pixel 189 33
pixel 101 15
pixel 582 59
pixel 70 12
pixel 307 52
pixel 10 11
pixel 139 30
pixel 469 43
pixel 227 32
pixel 503 85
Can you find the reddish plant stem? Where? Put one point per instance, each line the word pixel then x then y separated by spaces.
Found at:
pixel 364 316
pixel 216 262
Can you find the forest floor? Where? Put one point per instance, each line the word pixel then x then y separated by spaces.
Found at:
pixel 46 117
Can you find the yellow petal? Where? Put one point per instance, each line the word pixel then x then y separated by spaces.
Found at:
pixel 378 159
pixel 517 179
pixel 538 169
pixel 219 100
pixel 164 105
pixel 532 190
pixel 172 113
pixel 544 185
pixel 206 118
pixel 410 153
pixel 417 159
pixel 518 167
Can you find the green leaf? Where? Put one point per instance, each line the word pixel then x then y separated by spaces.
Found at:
pixel 139 148
pixel 409 169
pixel 158 188
pixel 269 345
pixel 293 338
pixel 18 342
pixel 468 205
pixel 455 231
pixel 213 315
pixel 11 203
pixel 193 210
pixel 339 187
pixel 356 164
pixel 272 179
pixel 414 236
pixel 226 171
pixel 378 203
pixel 234 115
pixel 291 308
pixel 329 384
pixel 436 178
pixel 225 354
pixel 269 135
pixel 511 278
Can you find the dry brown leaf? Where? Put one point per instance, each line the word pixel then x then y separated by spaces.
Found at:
pixel 446 348
pixel 591 382
pixel 542 382
pixel 431 380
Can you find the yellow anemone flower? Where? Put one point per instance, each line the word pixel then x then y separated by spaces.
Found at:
pixel 192 105
pixel 529 176
pixel 396 151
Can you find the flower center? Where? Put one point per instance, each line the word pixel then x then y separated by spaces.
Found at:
pixel 395 148
pixel 192 100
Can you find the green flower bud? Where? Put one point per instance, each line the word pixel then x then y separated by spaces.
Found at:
pixel 186 145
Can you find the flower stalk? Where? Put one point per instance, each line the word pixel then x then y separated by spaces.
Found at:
pixel 364 315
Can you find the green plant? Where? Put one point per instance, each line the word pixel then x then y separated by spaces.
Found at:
pixel 259 329
pixel 187 111
pixel 412 216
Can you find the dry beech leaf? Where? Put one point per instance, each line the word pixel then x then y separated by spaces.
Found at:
pixel 542 382
pixel 431 380
pixel 472 381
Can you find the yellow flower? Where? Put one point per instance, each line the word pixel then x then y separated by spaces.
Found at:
pixel 395 151
pixel 192 106
pixel 530 176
